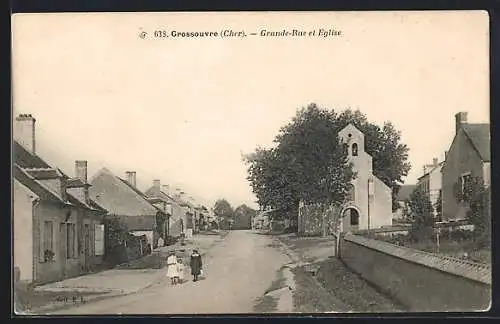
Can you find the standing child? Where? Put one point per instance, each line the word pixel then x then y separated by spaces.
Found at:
pixel 180 270
pixel 196 265
pixel 172 268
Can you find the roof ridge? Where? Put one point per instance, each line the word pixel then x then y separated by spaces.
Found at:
pixel 474 139
pixel 139 193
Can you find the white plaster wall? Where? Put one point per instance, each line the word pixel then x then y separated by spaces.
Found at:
pixel 382 209
pixel 23 230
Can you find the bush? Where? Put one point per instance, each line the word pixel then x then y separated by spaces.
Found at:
pixel 291 229
pixel 170 240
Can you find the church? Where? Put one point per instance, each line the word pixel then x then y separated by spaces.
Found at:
pixel 369 201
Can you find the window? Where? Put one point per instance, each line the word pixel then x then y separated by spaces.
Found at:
pixel 345 148
pixel 70 237
pixel 464 182
pixel 354 149
pixel 48 241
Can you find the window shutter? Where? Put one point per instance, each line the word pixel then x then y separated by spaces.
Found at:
pixel 99 239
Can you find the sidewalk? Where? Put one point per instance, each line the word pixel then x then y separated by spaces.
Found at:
pixel 125 279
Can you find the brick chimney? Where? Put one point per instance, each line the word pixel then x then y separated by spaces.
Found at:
pixel 445 154
pixel 165 189
pixel 81 192
pixel 81 170
pixel 24 132
pixel 435 161
pixel 157 184
pixel 131 178
pixel 460 119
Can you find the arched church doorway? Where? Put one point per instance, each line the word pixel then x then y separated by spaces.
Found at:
pixel 350 218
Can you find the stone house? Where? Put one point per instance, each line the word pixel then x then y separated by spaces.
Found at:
pixel 468 156
pixel 189 212
pixel 369 201
pixel 57 227
pixel 159 195
pixel 431 182
pixel 123 200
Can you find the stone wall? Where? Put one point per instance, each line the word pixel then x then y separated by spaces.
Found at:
pixel 420 281
pixel 313 220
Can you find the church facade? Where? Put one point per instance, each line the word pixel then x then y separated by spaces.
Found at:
pixel 369 202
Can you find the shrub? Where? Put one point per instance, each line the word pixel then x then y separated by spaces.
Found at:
pixel 170 240
pixel 423 219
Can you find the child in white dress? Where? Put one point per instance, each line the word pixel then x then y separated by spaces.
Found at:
pixel 172 268
pixel 180 270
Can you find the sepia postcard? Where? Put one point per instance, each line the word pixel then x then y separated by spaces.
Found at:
pixel 251 163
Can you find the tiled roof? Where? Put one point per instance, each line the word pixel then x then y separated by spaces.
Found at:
pixel 479 134
pixel 119 197
pixel 25 159
pixel 28 181
pixel 138 223
pixel 154 192
pixel 30 167
pixel 46 173
pixel 140 193
pixel 75 182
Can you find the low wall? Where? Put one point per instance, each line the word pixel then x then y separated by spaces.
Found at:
pixel 420 281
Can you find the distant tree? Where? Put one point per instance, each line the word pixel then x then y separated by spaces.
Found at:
pixel 478 198
pixel 243 217
pixel 423 217
pixel 224 212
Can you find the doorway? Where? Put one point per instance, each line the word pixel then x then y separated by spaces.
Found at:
pixel 350 218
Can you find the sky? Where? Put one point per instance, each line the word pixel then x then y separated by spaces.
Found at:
pixel 185 110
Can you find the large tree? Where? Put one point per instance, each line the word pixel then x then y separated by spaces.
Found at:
pixel 223 211
pixel 308 162
pixel 390 156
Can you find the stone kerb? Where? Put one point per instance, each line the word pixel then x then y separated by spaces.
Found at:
pixel 470 270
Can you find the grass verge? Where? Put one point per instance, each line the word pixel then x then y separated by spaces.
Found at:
pixel 268 303
pixel 356 293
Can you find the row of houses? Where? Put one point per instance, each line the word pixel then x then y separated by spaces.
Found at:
pixel 468 156
pixel 58 219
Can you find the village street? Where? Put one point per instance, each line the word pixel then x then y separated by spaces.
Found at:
pixel 238 270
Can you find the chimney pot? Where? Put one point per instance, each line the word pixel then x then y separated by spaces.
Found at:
pixel 445 154
pixel 81 170
pixel 156 183
pixel 24 132
pixel 131 178
pixel 460 119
